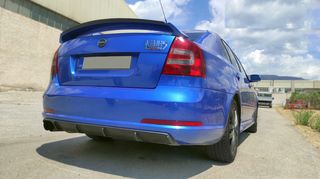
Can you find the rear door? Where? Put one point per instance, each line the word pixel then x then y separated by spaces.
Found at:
pixel 248 93
pixel 248 103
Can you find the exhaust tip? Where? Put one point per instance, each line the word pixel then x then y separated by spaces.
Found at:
pixel 48 125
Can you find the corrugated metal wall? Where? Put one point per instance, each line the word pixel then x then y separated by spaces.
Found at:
pixel 87 10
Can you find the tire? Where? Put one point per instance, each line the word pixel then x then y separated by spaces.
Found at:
pixel 254 127
pixel 99 138
pixel 226 149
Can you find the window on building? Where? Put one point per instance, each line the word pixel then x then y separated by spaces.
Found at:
pixel 12 5
pixel 261 89
pixel 25 9
pixel 38 13
pixel 2 3
pixel 287 90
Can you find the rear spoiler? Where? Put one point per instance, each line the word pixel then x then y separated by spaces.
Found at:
pixel 119 24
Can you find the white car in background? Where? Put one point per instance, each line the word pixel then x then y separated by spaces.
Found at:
pixel 265 99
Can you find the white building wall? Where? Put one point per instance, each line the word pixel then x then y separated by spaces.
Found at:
pixel 278 88
pixel 27 46
pixel 26 50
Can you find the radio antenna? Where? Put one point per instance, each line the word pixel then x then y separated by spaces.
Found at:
pixel 164 15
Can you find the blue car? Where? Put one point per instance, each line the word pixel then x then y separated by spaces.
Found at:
pixel 148 81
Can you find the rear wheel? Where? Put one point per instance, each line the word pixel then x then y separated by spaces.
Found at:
pixel 99 138
pixel 226 149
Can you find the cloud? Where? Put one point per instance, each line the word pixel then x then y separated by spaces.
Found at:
pixel 300 66
pixel 270 36
pixel 268 14
pixel 151 9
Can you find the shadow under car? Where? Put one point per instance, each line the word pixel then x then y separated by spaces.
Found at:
pixel 130 159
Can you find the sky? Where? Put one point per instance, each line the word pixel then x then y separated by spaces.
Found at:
pixel 278 37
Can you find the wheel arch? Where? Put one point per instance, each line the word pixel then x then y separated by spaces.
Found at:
pixel 233 97
pixel 236 97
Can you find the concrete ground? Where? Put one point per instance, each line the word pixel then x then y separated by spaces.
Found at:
pixel 27 151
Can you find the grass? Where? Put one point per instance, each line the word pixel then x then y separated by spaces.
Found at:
pixel 311 131
pixel 314 123
pixel 303 117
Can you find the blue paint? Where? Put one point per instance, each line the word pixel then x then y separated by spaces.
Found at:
pixel 122 98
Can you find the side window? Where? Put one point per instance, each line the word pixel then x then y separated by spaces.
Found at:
pixel 225 52
pixel 231 56
pixel 242 69
pixel 233 59
pixel 241 66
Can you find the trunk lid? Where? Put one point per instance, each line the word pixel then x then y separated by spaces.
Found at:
pixel 115 60
pixel 90 57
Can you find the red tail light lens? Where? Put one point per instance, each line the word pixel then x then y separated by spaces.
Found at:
pixel 171 122
pixel 54 65
pixel 184 58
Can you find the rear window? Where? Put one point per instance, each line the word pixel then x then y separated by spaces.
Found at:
pixel 193 36
pixel 127 31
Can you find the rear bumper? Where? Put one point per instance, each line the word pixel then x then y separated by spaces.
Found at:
pixel 113 132
pixel 267 103
pixel 123 109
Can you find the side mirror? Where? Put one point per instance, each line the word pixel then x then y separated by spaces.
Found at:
pixel 254 78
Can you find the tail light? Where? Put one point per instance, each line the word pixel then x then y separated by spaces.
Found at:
pixel 185 58
pixel 172 122
pixel 54 65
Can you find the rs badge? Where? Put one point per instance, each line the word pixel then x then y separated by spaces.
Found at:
pixel 155 45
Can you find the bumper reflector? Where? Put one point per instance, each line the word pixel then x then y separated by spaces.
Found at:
pixel 171 122
pixel 48 110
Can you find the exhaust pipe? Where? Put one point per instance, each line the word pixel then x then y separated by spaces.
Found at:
pixel 48 125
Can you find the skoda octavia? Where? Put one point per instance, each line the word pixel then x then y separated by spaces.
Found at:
pixel 148 81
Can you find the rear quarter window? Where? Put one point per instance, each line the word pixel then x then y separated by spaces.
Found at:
pixel 231 55
pixel 194 36
pixel 225 53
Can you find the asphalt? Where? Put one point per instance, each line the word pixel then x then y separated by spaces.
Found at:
pixel 277 150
